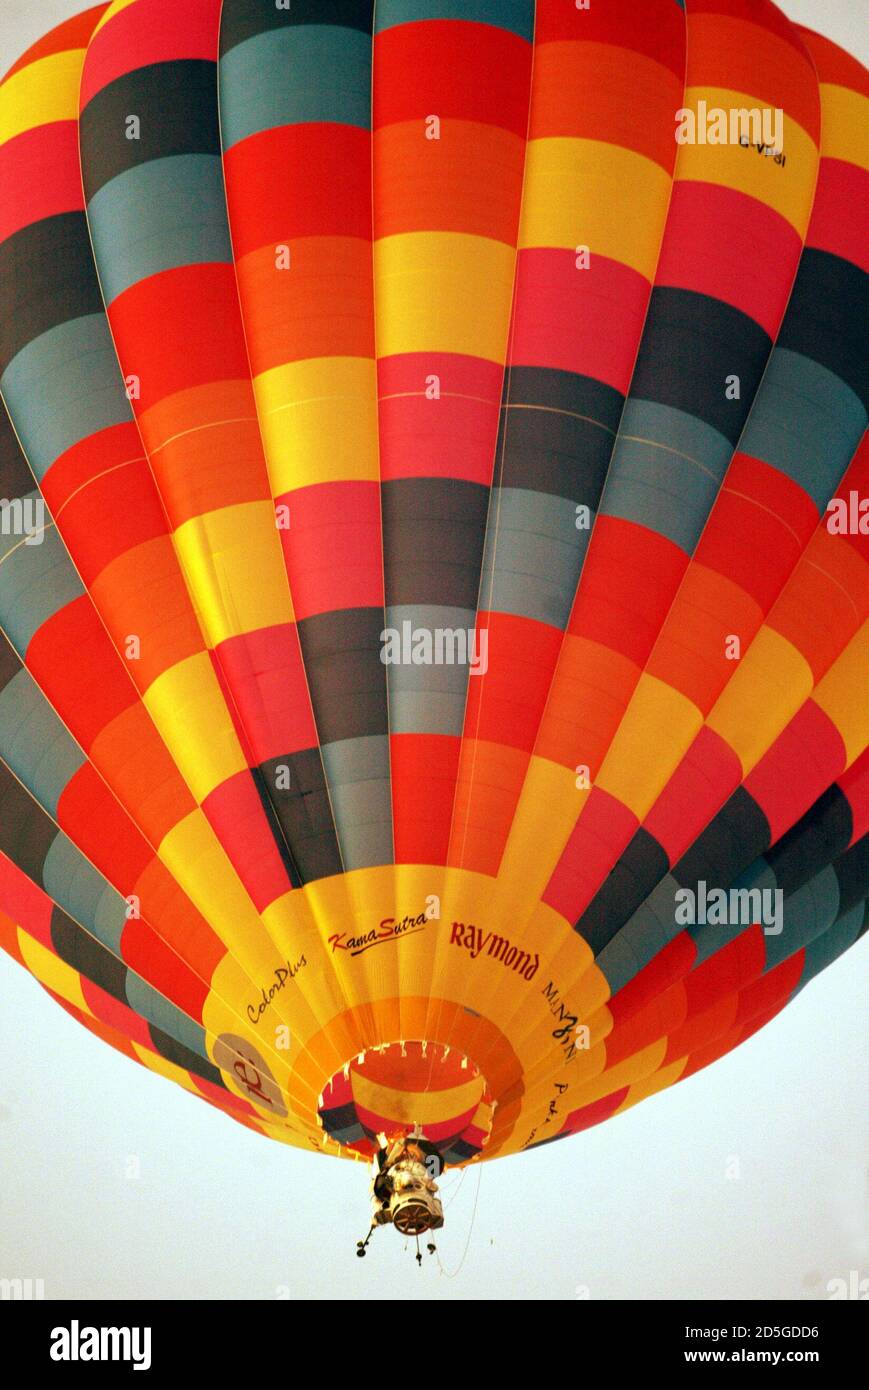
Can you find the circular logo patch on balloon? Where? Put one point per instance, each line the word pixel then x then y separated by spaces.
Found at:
pixel 250 1070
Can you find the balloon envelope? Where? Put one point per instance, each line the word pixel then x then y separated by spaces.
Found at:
pixel 433 571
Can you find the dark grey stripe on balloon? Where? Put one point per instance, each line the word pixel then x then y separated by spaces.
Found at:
pixel 819 836
pixel 346 678
pixel 10 663
pixel 807 913
pixel 242 19
pixel 845 931
pixel 691 344
pixel 302 810
pixel 737 835
pixel 433 537
pixel 176 104
pixel 46 278
pixel 16 479
pixel 556 433
pixel 88 956
pixel 852 872
pixel 827 316
pixel 184 1057
pixel 347 683
pixel 26 833
pixel 644 862
pixel 103 968
pixel 710 938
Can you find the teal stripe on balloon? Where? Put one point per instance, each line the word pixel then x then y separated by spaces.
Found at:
pixel 666 470
pixel 428 698
pixel 832 943
pixel 157 1009
pixel 37 581
pixel 159 216
pixel 516 16
pixel 63 387
pixel 808 912
pixel 307 74
pixel 805 422
pixel 361 798
pixel 533 555
pixel 83 893
pixel 34 743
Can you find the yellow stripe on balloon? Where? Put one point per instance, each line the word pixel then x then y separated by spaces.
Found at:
pixel 163 1067
pixel 192 854
pixel 631 1071
pixel 658 717
pixel 842 694
pixel 52 972
pixel 653 1085
pixel 319 422
pixel 187 696
pixel 845 125
pixel 771 683
pixel 787 188
pixel 545 816
pixel 40 94
pixel 428 294
pixel 232 560
pixel 580 192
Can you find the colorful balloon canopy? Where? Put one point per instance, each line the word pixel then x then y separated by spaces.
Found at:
pixel 433 570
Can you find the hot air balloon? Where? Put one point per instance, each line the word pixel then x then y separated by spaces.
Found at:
pixel 433 570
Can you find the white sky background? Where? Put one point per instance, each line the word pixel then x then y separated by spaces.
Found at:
pixel 640 1207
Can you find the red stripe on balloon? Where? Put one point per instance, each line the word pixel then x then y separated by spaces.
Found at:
pixel 263 670
pixel 806 757
pixel 234 811
pixel 138 37
pixel 39 175
pixel 740 264
pixel 444 435
pixel 434 67
pixel 332 547
pixel 586 321
pixel 704 779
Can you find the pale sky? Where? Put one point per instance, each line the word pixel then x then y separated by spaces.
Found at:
pixel 640 1207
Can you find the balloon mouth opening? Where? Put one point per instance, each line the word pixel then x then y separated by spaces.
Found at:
pixel 395 1088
